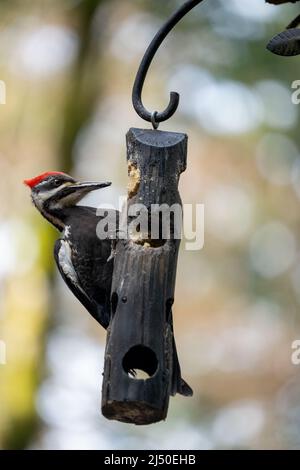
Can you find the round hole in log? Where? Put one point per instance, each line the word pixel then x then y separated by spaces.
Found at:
pixel 140 362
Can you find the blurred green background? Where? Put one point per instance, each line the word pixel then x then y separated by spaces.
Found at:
pixel 69 66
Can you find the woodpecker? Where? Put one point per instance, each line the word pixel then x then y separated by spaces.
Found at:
pixel 84 261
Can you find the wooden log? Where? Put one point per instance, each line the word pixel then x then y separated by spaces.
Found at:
pixel 140 335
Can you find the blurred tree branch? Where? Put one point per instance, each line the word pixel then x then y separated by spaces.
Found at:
pixel 83 91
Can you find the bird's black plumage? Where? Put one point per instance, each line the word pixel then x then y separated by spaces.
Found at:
pixel 84 260
pixel 91 260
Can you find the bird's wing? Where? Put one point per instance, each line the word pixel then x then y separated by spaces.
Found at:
pixel 63 258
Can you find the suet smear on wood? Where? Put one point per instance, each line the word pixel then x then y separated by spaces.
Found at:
pixel 134 179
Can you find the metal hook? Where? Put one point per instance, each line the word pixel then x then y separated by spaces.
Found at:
pixel 154 122
pixel 145 64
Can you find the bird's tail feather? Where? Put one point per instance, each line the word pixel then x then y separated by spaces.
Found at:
pixel 178 384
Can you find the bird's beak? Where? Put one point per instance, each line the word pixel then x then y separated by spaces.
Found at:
pixel 74 192
pixel 87 187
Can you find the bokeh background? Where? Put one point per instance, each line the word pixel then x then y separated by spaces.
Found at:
pixel 69 66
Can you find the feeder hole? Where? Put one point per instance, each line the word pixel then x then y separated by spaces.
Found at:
pixel 140 362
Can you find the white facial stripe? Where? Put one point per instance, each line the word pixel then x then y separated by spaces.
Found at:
pixel 70 200
pixel 43 196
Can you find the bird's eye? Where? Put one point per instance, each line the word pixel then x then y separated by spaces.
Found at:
pixel 56 183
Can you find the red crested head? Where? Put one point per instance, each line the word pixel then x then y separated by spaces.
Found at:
pixel 37 179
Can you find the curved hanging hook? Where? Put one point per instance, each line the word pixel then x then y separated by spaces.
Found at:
pixel 156 117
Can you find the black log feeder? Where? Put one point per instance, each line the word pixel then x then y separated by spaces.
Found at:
pixel 140 334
